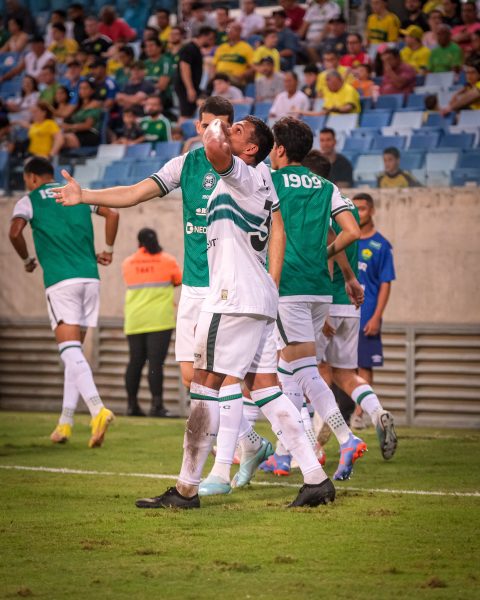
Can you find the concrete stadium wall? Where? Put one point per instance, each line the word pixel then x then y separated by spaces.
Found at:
pixel 435 234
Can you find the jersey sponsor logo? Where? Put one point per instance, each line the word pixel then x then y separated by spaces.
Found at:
pixel 209 181
pixel 201 212
pixel 376 245
pixel 211 243
pixel 367 254
pixel 190 228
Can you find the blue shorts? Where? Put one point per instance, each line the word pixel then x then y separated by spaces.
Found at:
pixel 370 351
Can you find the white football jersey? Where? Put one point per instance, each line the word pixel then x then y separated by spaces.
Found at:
pixel 239 214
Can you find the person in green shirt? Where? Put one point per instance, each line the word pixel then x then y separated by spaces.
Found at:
pixel 82 128
pixel 64 244
pixel 155 126
pixel 48 84
pixel 448 55
pixel 159 71
pixel 126 57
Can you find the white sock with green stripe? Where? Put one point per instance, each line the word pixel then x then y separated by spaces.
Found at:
pixel 288 427
pixel 289 384
pixel 250 411
pixel 320 395
pixel 79 373
pixel 230 402
pixel 364 396
pixel 308 425
pixel 71 397
pixel 200 433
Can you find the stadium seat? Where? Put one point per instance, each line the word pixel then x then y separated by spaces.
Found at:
pixel 117 171
pixel 468 118
pixel 314 122
pixel 85 174
pixel 110 152
pixel 343 122
pixel 441 80
pixel 261 110
pixel 367 132
pixel 424 141
pixel 392 101
pixel 465 176
pixel 367 168
pixel 138 151
pixel 168 150
pixel 366 104
pixel 57 175
pixel 439 166
pixel 411 120
pixel 462 141
pixel 375 119
pixel 351 156
pixel 144 168
pixel 412 160
pixel 250 90
pixel 469 160
pixel 444 97
pixel 385 141
pixel 357 144
pixel 240 111
pixel 11 88
pixel 420 175
pixel 188 128
pixel 4 169
pixel 435 119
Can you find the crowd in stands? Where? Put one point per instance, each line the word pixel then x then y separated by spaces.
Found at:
pixel 76 79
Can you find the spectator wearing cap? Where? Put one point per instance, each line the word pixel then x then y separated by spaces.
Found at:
pixel 115 28
pixel 382 25
pixel 235 57
pixel 96 42
pixel 154 125
pixel 448 55
pixel 268 48
pixel 314 27
pixel 105 87
pixel 269 83
pixel 394 176
pixel 137 89
pixel 355 55
pixel 295 13
pixel 336 38
pixel 398 77
pixel 222 87
pixel 62 47
pixel 341 170
pixel 415 53
pixel 310 75
pixel 415 15
pixel 291 102
pixel 33 61
pixel 462 34
pixel 288 42
pixel 252 23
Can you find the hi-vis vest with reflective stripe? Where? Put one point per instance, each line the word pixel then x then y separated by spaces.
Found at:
pixel 150 280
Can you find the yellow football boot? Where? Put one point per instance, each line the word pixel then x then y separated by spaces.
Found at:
pixel 61 433
pixel 99 425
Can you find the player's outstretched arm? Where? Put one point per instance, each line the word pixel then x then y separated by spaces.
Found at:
pixel 18 242
pixel 217 146
pixel 276 247
pixel 349 234
pixel 114 197
pixel 111 217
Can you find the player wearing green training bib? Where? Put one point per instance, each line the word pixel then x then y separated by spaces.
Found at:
pixel 64 245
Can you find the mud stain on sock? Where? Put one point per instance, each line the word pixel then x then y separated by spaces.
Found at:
pixel 197 428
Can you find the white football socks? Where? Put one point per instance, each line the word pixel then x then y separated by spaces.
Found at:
pixel 200 433
pixel 306 373
pixel 308 425
pixel 250 411
pixel 70 399
pixel 287 426
pixel 289 384
pixel 248 439
pixel 79 373
pixel 231 409
pixel 364 396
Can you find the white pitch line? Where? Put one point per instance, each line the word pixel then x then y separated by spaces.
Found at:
pixel 66 471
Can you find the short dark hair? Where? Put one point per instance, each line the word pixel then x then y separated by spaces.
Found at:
pixel 163 10
pixel 223 7
pixel 46 108
pixel 295 136
pixel 128 50
pixel 364 196
pixel 37 165
pixel 279 13
pixel 392 151
pixel 311 68
pixel 218 106
pixel 222 77
pixel 50 68
pixel 317 163
pixel 197 6
pixel 328 130
pixel 37 39
pixel 293 74
pixel 60 12
pixel 356 35
pixel 155 40
pixel 392 51
pixel 60 27
pixel 205 31
pixel 262 136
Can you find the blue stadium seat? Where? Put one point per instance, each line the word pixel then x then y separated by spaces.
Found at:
pixel 4 169
pixel 11 88
pixel 315 123
pixel 469 118
pixel 375 119
pixel 392 101
pixel 435 119
pixel 463 176
pixel 461 141
pixel 368 167
pixel 144 168
pixel 110 152
pixel 424 141
pixel 168 150
pixel 344 123
pixel 351 156
pixel 138 151
pixel 407 119
pixel 366 104
pixel 366 133
pixel 442 80
pixel 416 101
pixel 412 160
pixel 262 109
pixel 118 170
pixel 240 111
pixel 387 141
pixel 357 145
pixel 188 128
pixel 469 160
pixel 250 90
pixel 439 166
pixel 57 175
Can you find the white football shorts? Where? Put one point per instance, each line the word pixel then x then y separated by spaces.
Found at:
pixel 187 317
pixel 75 303
pixel 341 350
pixel 235 344
pixel 300 321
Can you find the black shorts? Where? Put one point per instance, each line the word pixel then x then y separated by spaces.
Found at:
pixel 187 109
pixel 88 138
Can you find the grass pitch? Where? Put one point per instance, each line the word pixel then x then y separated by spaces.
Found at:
pixel 77 535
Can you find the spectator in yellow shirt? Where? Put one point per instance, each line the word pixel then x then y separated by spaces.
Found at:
pixel 163 23
pixel 45 136
pixel 415 53
pixel 268 48
pixel 62 47
pixel 339 97
pixel 235 57
pixel 382 25
pixel 331 62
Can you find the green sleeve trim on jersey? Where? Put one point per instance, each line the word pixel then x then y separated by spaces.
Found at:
pixel 200 397
pixel 228 171
pixel 276 207
pixel 280 370
pixel 71 346
pixel 229 201
pixel 211 339
pixel 304 367
pixel 232 397
pixel 264 401
pixel 339 210
pixel 159 182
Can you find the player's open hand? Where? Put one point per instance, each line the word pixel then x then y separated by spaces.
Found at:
pixel 372 327
pixel 355 292
pixel 70 194
pixel 105 258
pixel 31 266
